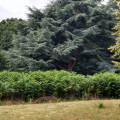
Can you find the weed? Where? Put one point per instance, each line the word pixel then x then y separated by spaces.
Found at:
pixel 23 102
pixel 1 103
pixel 30 101
pixel 100 105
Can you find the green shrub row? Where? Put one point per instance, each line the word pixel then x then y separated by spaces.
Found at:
pixel 59 84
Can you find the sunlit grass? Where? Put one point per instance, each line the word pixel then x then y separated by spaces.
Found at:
pixel 82 110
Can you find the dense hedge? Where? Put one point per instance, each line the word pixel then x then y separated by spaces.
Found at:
pixel 58 83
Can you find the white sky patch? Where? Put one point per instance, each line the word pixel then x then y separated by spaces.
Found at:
pixel 18 8
pixel 105 1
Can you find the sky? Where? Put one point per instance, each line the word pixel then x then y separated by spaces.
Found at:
pixel 18 8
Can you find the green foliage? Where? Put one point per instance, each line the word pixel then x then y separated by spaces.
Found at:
pixel 62 84
pixel 100 105
pixel 23 102
pixel 35 16
pixel 3 61
pixel 1 103
pixel 68 35
pixel 116 48
pixel 8 27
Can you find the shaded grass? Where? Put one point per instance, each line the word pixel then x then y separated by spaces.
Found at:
pixel 82 110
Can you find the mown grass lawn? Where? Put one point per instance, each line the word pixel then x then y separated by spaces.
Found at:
pixel 82 110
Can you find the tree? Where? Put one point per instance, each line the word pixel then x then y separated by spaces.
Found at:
pixel 3 62
pixel 8 27
pixel 69 35
pixel 97 39
pixel 116 48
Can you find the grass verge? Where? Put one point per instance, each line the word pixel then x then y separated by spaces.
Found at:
pixel 81 110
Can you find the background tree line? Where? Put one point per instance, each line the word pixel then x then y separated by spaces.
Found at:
pixel 72 35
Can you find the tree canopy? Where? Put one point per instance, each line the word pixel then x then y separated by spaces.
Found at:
pixel 116 48
pixel 69 35
pixel 3 61
pixel 8 27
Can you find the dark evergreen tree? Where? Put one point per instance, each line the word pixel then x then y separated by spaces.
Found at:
pixel 69 35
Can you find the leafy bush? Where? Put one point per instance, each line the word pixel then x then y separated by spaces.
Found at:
pixel 60 84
